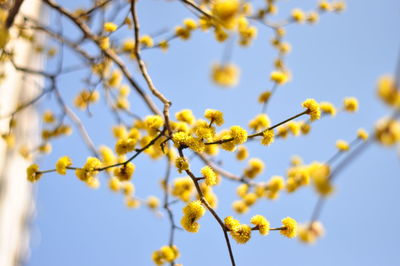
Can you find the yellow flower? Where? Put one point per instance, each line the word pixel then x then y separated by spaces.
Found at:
pixel 183 33
pixel 132 203
pixel 259 122
pixel 350 104
pixel 240 207
pixel 225 75
pixel 264 97
pixel 186 116
pixel 110 27
pixel 268 137
pixel 114 184
pixel 242 190
pixel 128 46
pixel 32 173
pixel 238 134
pixel 387 131
pixel 241 233
pixel 181 164
pixel 242 153
pixel 210 175
pixel 89 170
pixel 153 202
pixel 48 117
pixel 85 97
pixel 93 182
pixel 214 116
pixel 328 108
pixel 324 5
pixel 125 145
pixel 320 174
pixel 338 6
pixel 279 77
pixel 128 188
pixel 191 213
pixel 255 167
pixel 146 41
pixel 298 15
pixel 362 134
pixel 261 223
pixel 290 227
pixel 387 91
pixel 231 223
pixel 312 108
pixel 309 233
pixel 183 188
pixel 342 145
pixel 226 12
pixel 125 172
pixel 249 199
pixel 190 24
pixel 62 164
pixel 104 43
pixel 312 17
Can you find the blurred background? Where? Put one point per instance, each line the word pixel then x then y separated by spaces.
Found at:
pixel 342 55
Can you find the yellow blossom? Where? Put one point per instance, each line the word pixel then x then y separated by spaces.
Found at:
pixel 210 175
pixel 259 122
pixel 309 233
pixel 89 170
pixel 342 145
pixel 238 134
pixel 388 91
pixel 362 134
pixel 298 15
pixel 387 131
pixel 241 233
pixel 327 108
pixel 226 12
pixel 48 117
pixel 312 17
pixel 268 137
pixel 153 202
pixel 255 167
pixel 110 27
pixel 146 41
pixel 350 104
pixel 290 227
pixel 186 116
pixel 279 77
pixel 214 116
pixel 191 213
pixel 132 203
pixel 312 108
pixel 242 153
pixel 62 164
pixel 190 24
pixel 264 97
pixel 32 173
pixel 231 222
pixel 181 164
pixel 114 184
pixel 225 75
pixel 125 172
pixel 261 223
pixel 240 207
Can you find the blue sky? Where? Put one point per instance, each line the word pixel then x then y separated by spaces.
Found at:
pixel 343 55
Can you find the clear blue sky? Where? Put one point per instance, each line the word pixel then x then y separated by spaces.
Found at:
pixel 343 55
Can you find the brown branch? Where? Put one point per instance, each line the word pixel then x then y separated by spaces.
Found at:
pixel 13 13
pixel 108 52
pixel 211 210
pixel 144 71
